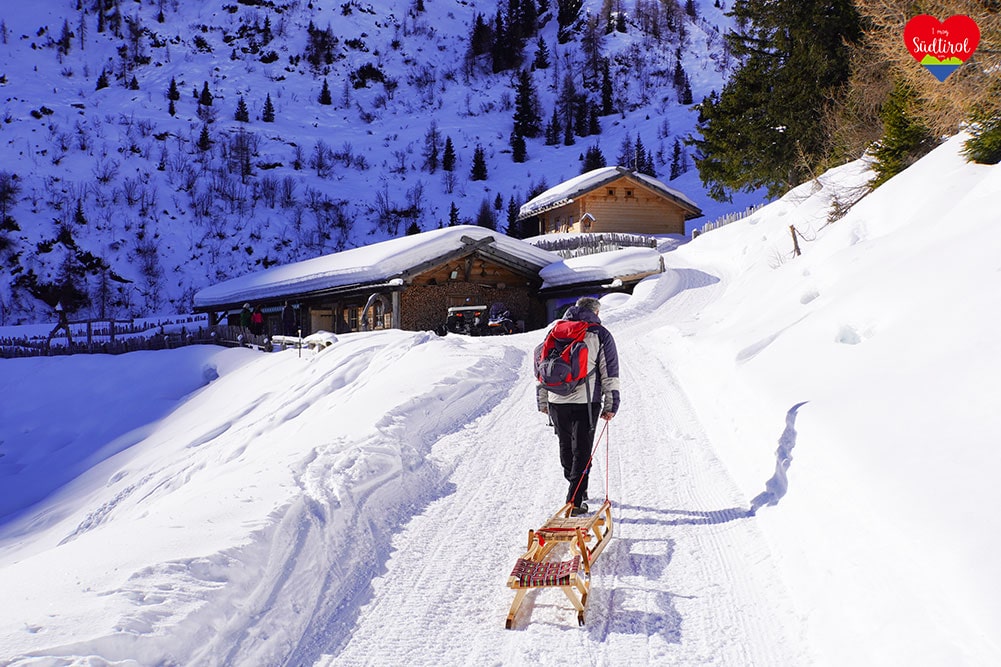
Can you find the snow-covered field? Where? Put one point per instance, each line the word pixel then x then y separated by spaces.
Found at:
pixel 803 471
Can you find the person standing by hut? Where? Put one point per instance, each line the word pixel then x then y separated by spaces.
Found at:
pixel 245 318
pixel 289 327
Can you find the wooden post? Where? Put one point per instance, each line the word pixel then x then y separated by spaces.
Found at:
pixel 795 241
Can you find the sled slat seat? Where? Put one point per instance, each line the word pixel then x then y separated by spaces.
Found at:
pixel 584 536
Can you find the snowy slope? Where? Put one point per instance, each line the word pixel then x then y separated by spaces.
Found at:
pixel 802 472
pixel 173 218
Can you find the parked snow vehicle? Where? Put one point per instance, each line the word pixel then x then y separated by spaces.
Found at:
pixel 469 320
pixel 500 320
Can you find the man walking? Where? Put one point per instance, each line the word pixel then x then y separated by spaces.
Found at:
pixel 575 415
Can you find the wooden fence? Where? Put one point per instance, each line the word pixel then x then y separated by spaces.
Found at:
pixel 109 336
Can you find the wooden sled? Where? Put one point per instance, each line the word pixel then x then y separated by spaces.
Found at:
pixel 585 537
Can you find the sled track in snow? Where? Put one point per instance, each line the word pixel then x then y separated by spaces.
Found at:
pixel 681 582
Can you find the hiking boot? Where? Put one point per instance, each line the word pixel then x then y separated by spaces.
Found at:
pixel 577 511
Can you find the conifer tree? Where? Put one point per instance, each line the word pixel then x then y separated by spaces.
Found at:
pixel 448 157
pixel 541 60
pixel 904 140
pixel 766 129
pixel 204 140
pixel 134 83
pixel 432 150
pixel 527 122
pixel 554 128
pixel 481 40
pixel 65 39
pixel 513 226
pixel 453 215
pixel 241 113
pixel 79 217
pixel 325 94
pixel 677 160
pixel 268 114
pixel 606 88
pixel 486 217
pixel 102 80
pixel 173 94
pixel 626 155
pixel 593 159
pixel 205 97
pixel 519 151
pixel 170 108
pixel 479 168
pixel 502 52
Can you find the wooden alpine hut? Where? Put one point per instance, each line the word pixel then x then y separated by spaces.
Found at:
pixel 406 283
pixel 611 199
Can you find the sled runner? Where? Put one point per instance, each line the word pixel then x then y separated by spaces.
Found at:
pixel 584 536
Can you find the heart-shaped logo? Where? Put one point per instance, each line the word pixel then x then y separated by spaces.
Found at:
pixel 941 46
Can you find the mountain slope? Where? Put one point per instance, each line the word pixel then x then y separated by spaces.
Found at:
pixel 112 187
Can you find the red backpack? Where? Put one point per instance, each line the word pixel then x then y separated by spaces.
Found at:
pixel 561 359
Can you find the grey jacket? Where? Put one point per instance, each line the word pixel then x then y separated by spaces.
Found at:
pixel 603 368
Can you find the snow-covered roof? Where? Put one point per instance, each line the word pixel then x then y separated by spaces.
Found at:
pixel 367 265
pixel 565 192
pixel 602 266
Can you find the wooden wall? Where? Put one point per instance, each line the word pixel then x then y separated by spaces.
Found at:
pixel 425 302
pixel 631 209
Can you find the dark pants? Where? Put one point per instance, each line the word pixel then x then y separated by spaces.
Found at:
pixel 575 424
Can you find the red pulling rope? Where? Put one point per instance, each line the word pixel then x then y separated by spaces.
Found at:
pixel 604 432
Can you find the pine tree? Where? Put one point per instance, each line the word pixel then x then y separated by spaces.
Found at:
pixel 904 140
pixel 554 128
pixel 541 60
pixel 527 122
pixel 486 217
pixel 481 40
pixel 241 114
pixel 413 228
pixel 173 94
pixel 453 215
pixel 205 98
pixel 268 114
pixel 479 169
pixel 766 127
pixel 502 51
pixel 325 94
pixel 170 108
pixel 204 140
pixel 593 124
pixel 448 157
pixel 627 155
pixel 677 160
pixel 134 83
pixel 519 151
pixel 65 39
pixel 102 80
pixel 593 159
pixel 78 216
pixel 513 226
pixel 432 147
pixel 606 88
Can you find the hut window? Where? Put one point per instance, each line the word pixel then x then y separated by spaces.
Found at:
pixel 629 193
pixel 611 192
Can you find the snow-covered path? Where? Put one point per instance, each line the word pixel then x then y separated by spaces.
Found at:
pixel 687 578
